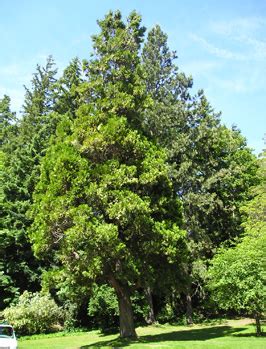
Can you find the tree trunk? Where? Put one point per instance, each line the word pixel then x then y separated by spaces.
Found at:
pixel 151 317
pixel 189 309
pixel 126 320
pixel 258 325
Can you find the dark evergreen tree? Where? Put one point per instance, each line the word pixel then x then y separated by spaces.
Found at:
pixel 212 167
pixel 8 119
pixel 21 156
pixel 67 97
pixel 8 136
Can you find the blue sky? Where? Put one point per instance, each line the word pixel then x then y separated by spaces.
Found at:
pixel 221 43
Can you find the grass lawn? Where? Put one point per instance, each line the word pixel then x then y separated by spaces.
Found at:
pixel 235 334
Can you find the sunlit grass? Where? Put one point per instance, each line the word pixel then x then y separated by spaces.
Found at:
pixel 230 334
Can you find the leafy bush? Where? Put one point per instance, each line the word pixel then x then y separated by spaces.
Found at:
pixel 70 315
pixel 34 313
pixel 103 307
pixel 166 313
pixel 140 307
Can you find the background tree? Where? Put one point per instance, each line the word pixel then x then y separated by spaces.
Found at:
pixel 66 94
pixel 47 103
pixel 23 146
pixel 236 276
pixel 8 136
pixel 254 210
pixel 8 121
pixel 212 167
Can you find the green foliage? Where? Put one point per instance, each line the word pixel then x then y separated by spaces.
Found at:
pixel 105 205
pixel 66 89
pixel 8 120
pixel 33 313
pixel 24 145
pixel 166 313
pixel 114 170
pixel 163 80
pixel 70 310
pixel 212 168
pixel 237 274
pixel 40 98
pixel 98 211
pixel 254 210
pixel 115 76
pixel 103 307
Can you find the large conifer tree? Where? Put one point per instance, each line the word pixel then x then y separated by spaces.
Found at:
pixel 212 167
pixel 23 146
pixel 105 203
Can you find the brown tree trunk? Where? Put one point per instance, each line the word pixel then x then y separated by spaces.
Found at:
pixel 258 325
pixel 151 317
pixel 126 320
pixel 189 309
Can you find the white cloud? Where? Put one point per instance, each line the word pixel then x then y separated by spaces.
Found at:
pixel 251 48
pixel 9 70
pixel 244 81
pixel 238 26
pixel 217 51
pixel 258 47
pixel 81 39
pixel 198 68
pixel 235 85
pixel 246 31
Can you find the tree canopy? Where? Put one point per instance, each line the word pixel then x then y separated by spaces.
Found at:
pixel 117 175
pixel 105 202
pixel 237 274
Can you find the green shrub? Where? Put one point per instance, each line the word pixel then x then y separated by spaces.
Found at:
pixel 103 307
pixel 140 307
pixel 70 315
pixel 166 313
pixel 33 313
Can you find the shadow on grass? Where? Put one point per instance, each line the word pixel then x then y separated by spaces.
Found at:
pixel 250 334
pixel 243 335
pixel 187 335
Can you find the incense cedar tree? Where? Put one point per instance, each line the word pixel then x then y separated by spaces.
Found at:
pixel 105 204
